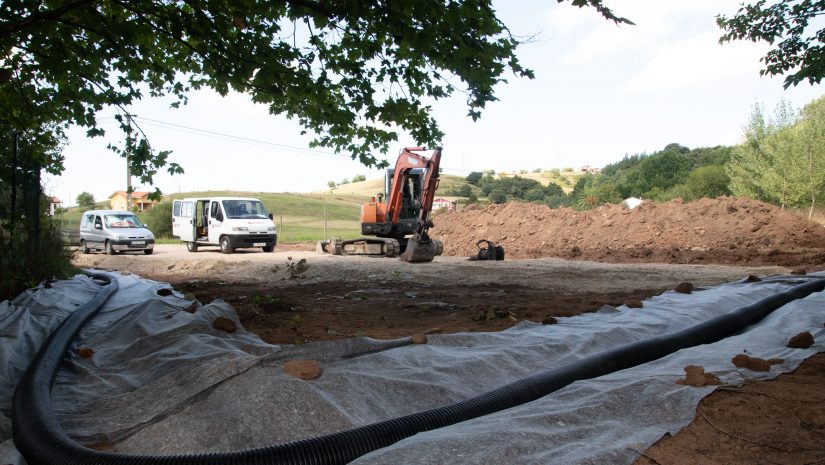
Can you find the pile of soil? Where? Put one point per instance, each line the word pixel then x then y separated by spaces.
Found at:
pixel 726 230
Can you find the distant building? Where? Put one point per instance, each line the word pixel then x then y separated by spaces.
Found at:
pixel 54 204
pixel 590 169
pixel 445 204
pixel 140 200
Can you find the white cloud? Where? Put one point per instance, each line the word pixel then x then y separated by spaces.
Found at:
pixel 696 60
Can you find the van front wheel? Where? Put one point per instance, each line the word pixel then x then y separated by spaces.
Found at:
pixel 226 247
pixel 84 247
pixel 191 246
pixel 268 248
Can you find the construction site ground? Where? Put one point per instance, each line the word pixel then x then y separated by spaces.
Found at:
pixel 558 263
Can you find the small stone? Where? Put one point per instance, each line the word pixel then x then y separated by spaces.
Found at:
pixel 751 363
pixel 303 369
pixel 634 303
pixel 224 324
pixel 84 352
pixel 165 292
pixel 802 340
pixel 684 288
pixel 418 338
pixel 549 320
pixel 752 279
pixel 191 308
pixel 695 376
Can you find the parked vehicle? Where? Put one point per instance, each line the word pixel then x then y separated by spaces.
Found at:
pixel 114 231
pixel 228 222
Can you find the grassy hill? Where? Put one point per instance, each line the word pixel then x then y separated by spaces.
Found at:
pixel 566 178
pixel 370 187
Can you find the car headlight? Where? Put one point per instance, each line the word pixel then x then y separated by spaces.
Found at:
pixel 271 228
pixel 240 228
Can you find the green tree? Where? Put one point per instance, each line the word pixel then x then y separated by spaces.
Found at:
pixel 706 181
pixel 359 178
pixel 474 177
pixel 315 61
pixel 159 219
pixel 762 166
pixel 498 195
pixel 331 184
pixel 810 143
pixel 86 201
pixel 798 47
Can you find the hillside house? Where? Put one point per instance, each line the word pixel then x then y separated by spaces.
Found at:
pixel 140 201
pixel 590 169
pixel 54 204
pixel 445 204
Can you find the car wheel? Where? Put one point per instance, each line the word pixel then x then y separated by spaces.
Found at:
pixel 148 251
pixel 191 246
pixel 226 247
pixel 109 249
pixel 84 247
pixel 268 248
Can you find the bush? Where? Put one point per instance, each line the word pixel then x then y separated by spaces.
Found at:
pixel 159 219
pixel 25 264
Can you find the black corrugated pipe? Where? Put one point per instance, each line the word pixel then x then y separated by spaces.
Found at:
pixel 41 440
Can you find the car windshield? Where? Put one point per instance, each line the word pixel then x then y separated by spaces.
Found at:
pixel 246 209
pixel 122 221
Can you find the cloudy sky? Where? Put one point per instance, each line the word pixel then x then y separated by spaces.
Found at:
pixel 601 92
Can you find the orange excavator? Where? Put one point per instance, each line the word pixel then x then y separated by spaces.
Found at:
pixel 399 226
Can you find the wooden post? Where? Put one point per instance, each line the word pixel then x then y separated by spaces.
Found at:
pixel 325 223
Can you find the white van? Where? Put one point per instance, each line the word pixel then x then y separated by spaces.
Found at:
pixel 228 222
pixel 114 231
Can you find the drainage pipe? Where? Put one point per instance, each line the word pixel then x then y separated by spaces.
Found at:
pixel 41 440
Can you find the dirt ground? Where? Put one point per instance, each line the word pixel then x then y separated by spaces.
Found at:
pixel 558 263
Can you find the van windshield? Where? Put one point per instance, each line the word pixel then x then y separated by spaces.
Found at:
pixel 246 209
pixel 122 221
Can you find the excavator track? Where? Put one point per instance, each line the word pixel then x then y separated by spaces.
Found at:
pixel 363 246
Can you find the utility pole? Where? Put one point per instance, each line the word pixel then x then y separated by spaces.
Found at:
pixel 128 170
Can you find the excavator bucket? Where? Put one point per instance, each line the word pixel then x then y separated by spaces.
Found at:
pixel 419 251
pixel 331 246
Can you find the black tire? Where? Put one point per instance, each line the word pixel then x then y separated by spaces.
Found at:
pixel 268 248
pixel 191 246
pixel 84 247
pixel 226 246
pixel 109 249
pixel 148 251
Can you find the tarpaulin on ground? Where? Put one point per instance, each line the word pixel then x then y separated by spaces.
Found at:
pixel 161 380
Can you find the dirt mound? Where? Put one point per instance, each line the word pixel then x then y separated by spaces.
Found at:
pixel 727 230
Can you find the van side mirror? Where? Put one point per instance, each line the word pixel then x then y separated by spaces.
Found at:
pixel 98 226
pixel 219 216
pixel 270 216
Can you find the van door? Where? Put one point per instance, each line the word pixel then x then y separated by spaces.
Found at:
pixel 97 237
pixel 177 221
pixel 216 218
pixel 186 227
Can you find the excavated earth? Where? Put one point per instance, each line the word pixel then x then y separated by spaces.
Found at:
pixel 720 231
pixel 557 263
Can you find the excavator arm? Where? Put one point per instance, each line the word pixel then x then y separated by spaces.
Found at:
pixel 420 248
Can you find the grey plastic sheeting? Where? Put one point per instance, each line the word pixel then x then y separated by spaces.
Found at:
pixel 163 381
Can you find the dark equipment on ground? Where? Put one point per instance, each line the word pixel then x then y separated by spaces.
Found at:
pixel 489 251
pixel 401 225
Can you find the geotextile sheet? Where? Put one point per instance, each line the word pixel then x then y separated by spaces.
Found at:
pixel 161 380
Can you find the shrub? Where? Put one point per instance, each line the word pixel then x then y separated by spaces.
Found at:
pixel 159 219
